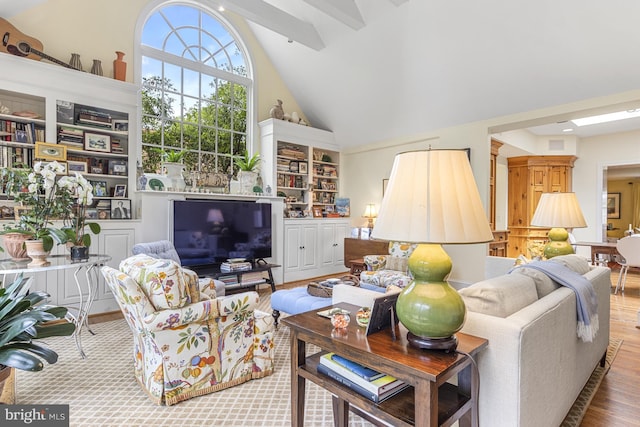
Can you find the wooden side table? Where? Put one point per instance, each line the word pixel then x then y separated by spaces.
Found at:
pixel 430 401
pixel 357 266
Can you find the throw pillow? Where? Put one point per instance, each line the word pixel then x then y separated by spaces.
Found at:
pixel 544 284
pixel 397 263
pixel 500 296
pixel 573 262
pixel 400 249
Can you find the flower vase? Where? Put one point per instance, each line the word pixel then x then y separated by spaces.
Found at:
pixel 119 67
pixel 96 68
pixel 79 253
pixel 14 244
pixel 75 62
pixel 174 172
pixel 35 251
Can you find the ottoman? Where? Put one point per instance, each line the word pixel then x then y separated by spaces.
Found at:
pixel 294 301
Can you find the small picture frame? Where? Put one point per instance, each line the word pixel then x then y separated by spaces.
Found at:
pixel 99 188
pixel 97 170
pixel 120 125
pixel 118 167
pixel 121 209
pixel 47 151
pixel 317 212
pixel 91 213
pixel 613 205
pixel 104 214
pixel 294 166
pixel 97 142
pixel 302 167
pixel 120 191
pixel 75 166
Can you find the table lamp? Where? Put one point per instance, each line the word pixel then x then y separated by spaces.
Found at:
pixel 370 213
pixel 558 211
pixel 216 219
pixel 432 199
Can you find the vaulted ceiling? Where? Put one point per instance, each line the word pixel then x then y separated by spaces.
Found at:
pixel 372 70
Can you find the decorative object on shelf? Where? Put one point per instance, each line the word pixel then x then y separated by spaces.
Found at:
pixel 247 174
pixel 343 206
pixel 75 223
pixel 48 151
pixel 340 319
pixel 121 209
pixel 370 214
pixel 432 199
pixel 37 253
pixel 558 211
pixel 277 112
pixel 174 168
pixel 75 62
pixel 14 245
pixel 96 68
pixel 119 67
pixel 29 307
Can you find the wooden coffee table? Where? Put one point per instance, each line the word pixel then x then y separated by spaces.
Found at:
pixel 431 401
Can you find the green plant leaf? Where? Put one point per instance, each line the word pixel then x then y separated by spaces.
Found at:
pixel 17 359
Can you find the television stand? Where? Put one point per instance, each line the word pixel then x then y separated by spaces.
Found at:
pixel 235 281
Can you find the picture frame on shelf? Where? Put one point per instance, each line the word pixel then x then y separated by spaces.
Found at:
pixel 120 190
pixel 118 167
pixel 97 170
pixel 97 142
pixel 76 166
pixel 302 167
pixel 99 188
pixel 317 212
pixel 294 166
pixel 120 125
pixel 91 213
pixel 51 152
pixel 121 209
pixel 343 206
pixel 104 214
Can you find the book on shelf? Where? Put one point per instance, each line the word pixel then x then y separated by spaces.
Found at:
pixel 358 369
pixel 235 266
pixel 379 386
pixel 374 397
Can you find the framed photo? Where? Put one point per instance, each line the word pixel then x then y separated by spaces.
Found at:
pixel 317 212
pixel 613 205
pixel 120 125
pixel 118 167
pixel 47 151
pixel 97 170
pixel 294 167
pixel 104 214
pixel 75 166
pixel 97 142
pixel 99 188
pixel 302 167
pixel 120 191
pixel 91 213
pixel 121 209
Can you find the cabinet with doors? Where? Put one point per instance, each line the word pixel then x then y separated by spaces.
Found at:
pixel 301 164
pixel 314 247
pixel 529 177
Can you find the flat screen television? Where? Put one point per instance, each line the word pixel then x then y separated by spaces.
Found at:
pixel 209 232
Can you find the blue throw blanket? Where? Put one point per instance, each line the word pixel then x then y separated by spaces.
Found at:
pixel 586 299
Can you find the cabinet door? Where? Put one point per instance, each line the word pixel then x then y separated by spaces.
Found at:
pixel 309 246
pixel 342 231
pixel 292 248
pixel 326 244
pixel 116 243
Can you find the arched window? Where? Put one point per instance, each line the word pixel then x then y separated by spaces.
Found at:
pixel 196 90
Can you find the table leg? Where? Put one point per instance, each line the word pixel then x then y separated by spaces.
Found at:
pixel 340 412
pixel 271 281
pixel 298 356
pixel 426 404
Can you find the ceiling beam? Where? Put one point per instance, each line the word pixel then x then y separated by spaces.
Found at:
pixel 276 20
pixel 345 11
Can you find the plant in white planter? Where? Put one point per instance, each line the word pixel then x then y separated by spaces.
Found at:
pixel 247 173
pixel 174 167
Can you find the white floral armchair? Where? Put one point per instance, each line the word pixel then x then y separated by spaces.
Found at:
pixel 391 269
pixel 186 342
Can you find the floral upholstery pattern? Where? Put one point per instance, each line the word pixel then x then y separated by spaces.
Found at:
pixel 381 269
pixel 193 347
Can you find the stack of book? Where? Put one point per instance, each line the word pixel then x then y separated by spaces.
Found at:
pixel 70 136
pixel 94 118
pixel 235 266
pixel 368 382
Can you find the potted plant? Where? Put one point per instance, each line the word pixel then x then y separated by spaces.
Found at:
pixel 174 167
pixel 25 317
pixel 247 171
pixel 38 191
pixel 75 222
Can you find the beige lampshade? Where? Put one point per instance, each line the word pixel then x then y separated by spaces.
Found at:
pixel 370 211
pixel 432 197
pixel 560 210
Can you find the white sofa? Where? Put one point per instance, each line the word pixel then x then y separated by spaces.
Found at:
pixel 535 365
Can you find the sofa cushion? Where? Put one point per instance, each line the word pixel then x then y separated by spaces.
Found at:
pixel 397 263
pixel 375 262
pixel 544 284
pixel 400 249
pixel 501 296
pixel 573 262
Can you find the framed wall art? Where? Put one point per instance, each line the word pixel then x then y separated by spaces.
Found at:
pixel 97 142
pixel 613 205
pixel 75 166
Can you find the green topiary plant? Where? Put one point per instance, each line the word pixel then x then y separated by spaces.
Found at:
pixel 24 317
pixel 173 156
pixel 247 163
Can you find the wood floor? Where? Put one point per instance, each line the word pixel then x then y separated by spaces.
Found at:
pixel 617 402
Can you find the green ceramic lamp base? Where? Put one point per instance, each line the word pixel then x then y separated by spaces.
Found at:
pixel 558 243
pixel 429 307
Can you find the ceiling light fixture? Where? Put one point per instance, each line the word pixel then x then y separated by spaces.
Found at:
pixel 567 130
pixel 605 118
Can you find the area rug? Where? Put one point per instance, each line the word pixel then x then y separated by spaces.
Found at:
pixel 102 391
pixel 580 406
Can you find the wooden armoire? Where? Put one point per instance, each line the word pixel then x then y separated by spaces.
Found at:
pixel 529 177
